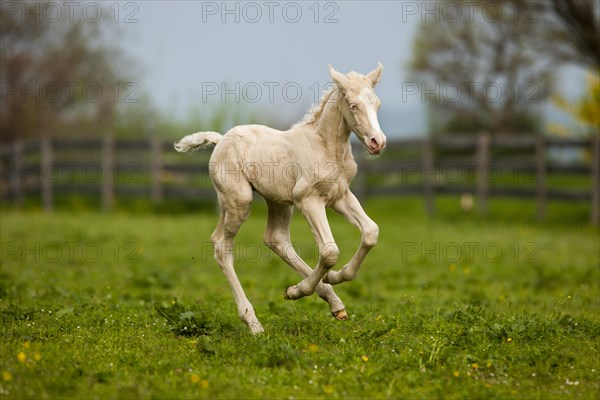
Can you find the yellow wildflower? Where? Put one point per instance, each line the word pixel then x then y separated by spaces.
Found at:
pixel 456 374
pixel 364 358
pixel 195 379
pixel 21 357
pixel 7 376
pixel 328 389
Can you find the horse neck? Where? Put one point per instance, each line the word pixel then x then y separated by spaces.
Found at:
pixel 333 129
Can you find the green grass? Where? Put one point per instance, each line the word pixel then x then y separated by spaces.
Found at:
pixel 458 306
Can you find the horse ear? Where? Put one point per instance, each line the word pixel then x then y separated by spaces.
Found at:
pixel 375 76
pixel 339 78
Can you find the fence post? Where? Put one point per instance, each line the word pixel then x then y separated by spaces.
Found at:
pixel 157 166
pixel 541 175
pixel 595 211
pixel 108 188
pixel 4 175
pixel 429 170
pixel 17 181
pixel 484 141
pixel 45 183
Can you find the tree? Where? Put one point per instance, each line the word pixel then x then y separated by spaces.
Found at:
pixel 54 72
pixel 493 68
pixel 585 111
pixel 581 19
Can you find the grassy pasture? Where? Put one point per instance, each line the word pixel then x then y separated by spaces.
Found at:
pixel 452 307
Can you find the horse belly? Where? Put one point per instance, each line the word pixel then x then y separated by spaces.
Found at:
pixel 271 177
pixel 278 195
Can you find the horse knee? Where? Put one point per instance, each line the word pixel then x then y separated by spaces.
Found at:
pixel 220 249
pixel 370 235
pixel 329 255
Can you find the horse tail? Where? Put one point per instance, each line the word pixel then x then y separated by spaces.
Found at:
pixel 197 141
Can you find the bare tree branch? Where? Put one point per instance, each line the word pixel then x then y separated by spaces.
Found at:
pixel 581 18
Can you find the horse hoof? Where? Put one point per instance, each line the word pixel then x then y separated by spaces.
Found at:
pixel 286 296
pixel 256 328
pixel 340 315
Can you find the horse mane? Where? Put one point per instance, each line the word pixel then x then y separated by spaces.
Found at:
pixel 315 112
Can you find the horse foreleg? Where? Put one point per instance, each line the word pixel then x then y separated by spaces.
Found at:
pixel 349 207
pixel 277 238
pixel 314 212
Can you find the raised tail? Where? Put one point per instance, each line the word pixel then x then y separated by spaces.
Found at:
pixel 197 141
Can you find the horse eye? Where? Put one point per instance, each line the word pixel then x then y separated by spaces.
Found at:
pixel 353 106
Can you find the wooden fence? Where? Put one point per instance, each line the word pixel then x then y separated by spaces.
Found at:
pixel 482 166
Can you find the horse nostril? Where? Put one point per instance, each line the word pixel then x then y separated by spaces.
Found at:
pixel 374 142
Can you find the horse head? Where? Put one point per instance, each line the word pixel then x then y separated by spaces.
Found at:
pixel 359 106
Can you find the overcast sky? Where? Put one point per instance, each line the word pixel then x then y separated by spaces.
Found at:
pixel 273 56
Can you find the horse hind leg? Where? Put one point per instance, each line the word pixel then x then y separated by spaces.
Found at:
pixel 235 209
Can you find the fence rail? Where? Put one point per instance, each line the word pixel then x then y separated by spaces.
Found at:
pixel 480 165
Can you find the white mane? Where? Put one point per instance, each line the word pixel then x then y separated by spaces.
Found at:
pixel 315 112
